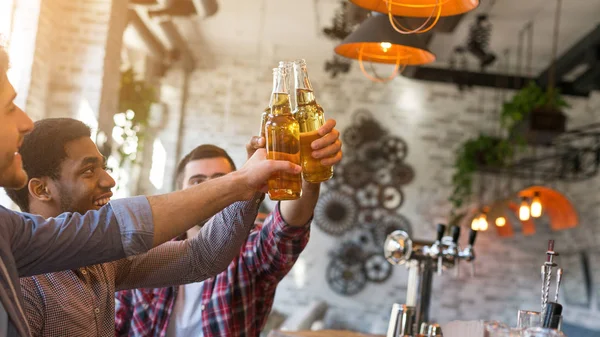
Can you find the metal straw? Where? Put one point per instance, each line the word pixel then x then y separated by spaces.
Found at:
pixel 559 274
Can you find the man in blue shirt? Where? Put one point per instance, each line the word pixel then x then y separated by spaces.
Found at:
pixel 31 245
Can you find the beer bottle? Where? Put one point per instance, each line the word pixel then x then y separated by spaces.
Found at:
pixel 263 118
pixel 283 139
pixel 310 117
pixel 263 121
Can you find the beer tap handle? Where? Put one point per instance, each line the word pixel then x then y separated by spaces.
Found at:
pixel 472 237
pixel 455 234
pixel 441 229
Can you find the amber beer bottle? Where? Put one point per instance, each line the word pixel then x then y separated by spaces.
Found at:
pixel 283 139
pixel 263 121
pixel 311 117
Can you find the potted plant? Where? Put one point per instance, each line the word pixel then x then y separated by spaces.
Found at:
pixel 534 116
pixel 474 154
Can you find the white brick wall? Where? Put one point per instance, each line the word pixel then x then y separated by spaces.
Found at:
pixel 224 109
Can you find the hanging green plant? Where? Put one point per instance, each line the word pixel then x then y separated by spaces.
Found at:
pixel 533 109
pixel 135 101
pixel 137 96
pixel 473 154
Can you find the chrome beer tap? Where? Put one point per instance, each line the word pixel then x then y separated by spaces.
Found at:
pixel 422 258
pixel 452 252
pixel 468 254
pixel 437 250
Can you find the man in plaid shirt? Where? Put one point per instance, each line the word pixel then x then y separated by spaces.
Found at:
pixel 236 302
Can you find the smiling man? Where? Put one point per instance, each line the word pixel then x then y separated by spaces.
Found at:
pixel 31 244
pixel 68 174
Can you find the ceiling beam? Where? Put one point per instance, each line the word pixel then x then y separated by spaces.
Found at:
pixel 155 47
pixel 572 57
pixel 179 43
pixel 489 80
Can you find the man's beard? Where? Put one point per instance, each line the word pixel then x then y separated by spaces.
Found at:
pixel 9 177
pixel 67 203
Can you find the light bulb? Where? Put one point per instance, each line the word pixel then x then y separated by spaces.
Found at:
pixel 385 46
pixel 475 224
pixel 536 205
pixel 524 210
pixel 483 224
pixel 500 221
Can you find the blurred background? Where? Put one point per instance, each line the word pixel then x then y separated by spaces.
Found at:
pixel 156 78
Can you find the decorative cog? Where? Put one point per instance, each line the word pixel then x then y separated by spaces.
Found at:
pixel 377 268
pixel 394 149
pixel 402 174
pixel 390 197
pixel 361 116
pixel 345 279
pixel 352 137
pixel 389 224
pixel 355 174
pixel 368 196
pixel 350 253
pixel 364 238
pixel 336 212
pixel 373 156
pixel 383 176
pixel 371 130
pixel 370 217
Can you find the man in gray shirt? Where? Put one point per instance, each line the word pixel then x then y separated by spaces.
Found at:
pixel 31 245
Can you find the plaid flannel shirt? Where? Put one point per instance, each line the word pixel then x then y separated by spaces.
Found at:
pixel 236 302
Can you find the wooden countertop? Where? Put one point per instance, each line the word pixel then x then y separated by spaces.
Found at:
pixel 319 333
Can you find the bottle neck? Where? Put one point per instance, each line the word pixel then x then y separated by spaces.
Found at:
pixel 301 75
pixel 280 83
pixel 280 97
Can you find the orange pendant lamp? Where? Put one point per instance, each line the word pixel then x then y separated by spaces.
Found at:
pixel 376 41
pixel 430 9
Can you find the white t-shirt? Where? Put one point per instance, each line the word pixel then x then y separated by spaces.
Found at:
pixel 186 318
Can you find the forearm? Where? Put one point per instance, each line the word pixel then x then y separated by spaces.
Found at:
pixel 174 213
pixel 298 212
pixel 195 259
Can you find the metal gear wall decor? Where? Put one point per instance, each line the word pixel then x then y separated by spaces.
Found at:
pixel 355 175
pixel 402 174
pixel 336 212
pixel 346 279
pixel 377 268
pixel 362 202
pixel 390 197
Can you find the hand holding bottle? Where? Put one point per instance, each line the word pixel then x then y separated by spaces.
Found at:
pixel 327 148
pixel 258 169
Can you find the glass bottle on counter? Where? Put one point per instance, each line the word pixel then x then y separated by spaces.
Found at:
pixel 283 139
pixel 310 117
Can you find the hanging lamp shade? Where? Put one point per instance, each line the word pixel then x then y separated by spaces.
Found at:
pixel 431 10
pixel 376 41
pixel 418 8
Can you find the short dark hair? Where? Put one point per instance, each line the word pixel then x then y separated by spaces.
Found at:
pixel 43 152
pixel 205 151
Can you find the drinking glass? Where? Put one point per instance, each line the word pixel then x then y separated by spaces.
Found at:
pixel 528 319
pixel 542 332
